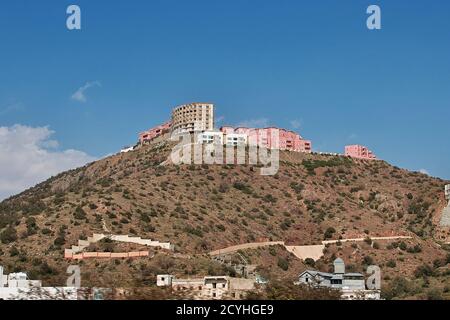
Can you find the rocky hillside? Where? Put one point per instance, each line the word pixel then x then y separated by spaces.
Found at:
pixel 200 208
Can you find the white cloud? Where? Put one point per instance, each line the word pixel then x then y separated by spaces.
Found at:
pixel 254 123
pixel 26 158
pixel 424 171
pixel 80 94
pixel 295 124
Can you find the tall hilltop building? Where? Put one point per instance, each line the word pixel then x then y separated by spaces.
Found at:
pixel 198 118
pixel 193 117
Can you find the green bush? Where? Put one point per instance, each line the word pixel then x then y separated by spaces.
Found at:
pixel 8 235
pixel 391 264
pixel 329 233
pixel 310 262
pixel 423 271
pixel 79 213
pixel 368 260
pixel 283 263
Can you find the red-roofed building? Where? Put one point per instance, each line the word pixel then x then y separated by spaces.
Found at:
pixel 287 140
pixel 155 132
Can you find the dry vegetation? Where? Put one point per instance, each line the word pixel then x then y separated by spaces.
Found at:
pixel 200 208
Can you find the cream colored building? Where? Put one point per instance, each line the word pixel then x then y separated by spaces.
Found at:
pixel 211 287
pixel 193 117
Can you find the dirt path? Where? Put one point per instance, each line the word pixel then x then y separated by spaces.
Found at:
pixel 362 239
pixel 314 252
pixel 252 245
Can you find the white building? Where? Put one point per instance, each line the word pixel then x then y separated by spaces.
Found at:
pixel 352 285
pixel 126 149
pixel 17 280
pixel 235 139
pixel 447 192
pixel 164 280
pixel 209 137
pixel 17 286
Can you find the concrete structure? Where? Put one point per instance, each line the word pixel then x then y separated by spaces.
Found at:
pixel 359 152
pixel 209 137
pixel 349 294
pixel 352 285
pixel 126 149
pixel 267 137
pixel 164 280
pixel 17 280
pixel 194 117
pixel 105 255
pixel 76 252
pixel 211 287
pixel 445 216
pixel 17 286
pixel 314 252
pixel 155 132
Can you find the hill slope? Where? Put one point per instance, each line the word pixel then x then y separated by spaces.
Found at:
pixel 201 208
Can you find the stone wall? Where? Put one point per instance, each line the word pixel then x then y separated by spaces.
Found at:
pixel 107 255
pixel 76 252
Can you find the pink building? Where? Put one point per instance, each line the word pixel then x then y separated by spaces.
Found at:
pixel 360 152
pixel 154 132
pixel 288 140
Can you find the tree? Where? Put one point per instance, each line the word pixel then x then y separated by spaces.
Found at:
pixel 391 264
pixel 310 262
pixel 434 294
pixel 8 235
pixel 423 271
pixel 329 233
pixel 283 263
pixel 79 213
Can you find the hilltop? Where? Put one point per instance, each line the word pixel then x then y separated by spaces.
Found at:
pixel 201 208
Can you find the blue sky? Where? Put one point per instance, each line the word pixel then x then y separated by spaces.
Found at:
pixel 312 66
